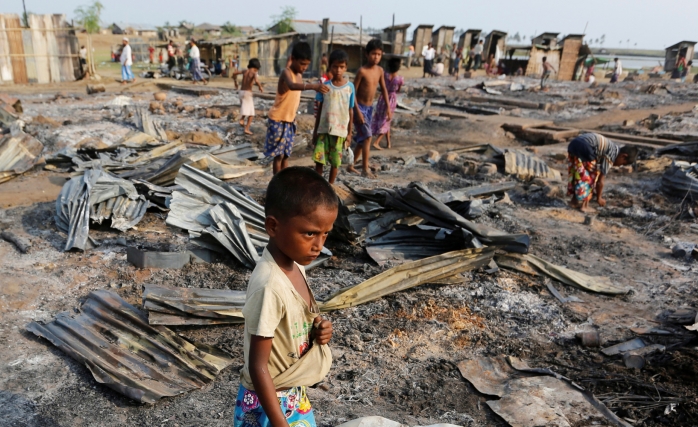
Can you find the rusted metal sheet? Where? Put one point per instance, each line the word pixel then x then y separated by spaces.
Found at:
pixel 409 275
pixel 531 264
pixel 527 166
pixel 122 351
pixel 96 196
pixel 531 397
pixel 187 306
pixel 18 154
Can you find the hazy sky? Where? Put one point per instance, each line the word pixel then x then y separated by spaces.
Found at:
pixel 649 23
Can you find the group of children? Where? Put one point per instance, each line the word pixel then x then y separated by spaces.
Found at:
pixel 285 338
pixel 343 108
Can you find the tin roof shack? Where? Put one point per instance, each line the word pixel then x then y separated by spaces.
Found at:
pixel 570 59
pixel 494 40
pixel 442 38
pixel 140 30
pixel 469 39
pixel 545 45
pixel 353 45
pixel 46 52
pixel 273 48
pixel 673 52
pixel 207 29
pixel 420 38
pixel 397 36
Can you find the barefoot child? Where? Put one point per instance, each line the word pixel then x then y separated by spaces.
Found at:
pixel 381 122
pixel 367 80
pixel 285 345
pixel 249 77
pixel 281 127
pixel 332 130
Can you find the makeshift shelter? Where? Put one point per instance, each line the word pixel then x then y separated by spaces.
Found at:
pixel 420 38
pixel 442 38
pixel 543 46
pixel 46 52
pixel 141 30
pixel 570 59
pixel 495 43
pixel 673 52
pixel 397 37
pixel 208 29
pixel 273 48
pixel 469 39
pixel 563 54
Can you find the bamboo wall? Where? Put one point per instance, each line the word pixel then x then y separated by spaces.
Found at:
pixel 46 52
pixel 568 61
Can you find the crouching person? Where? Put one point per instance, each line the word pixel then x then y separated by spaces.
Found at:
pixel 590 157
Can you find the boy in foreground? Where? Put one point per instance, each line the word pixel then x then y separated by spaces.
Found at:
pixel 332 132
pixel 249 77
pixel 367 80
pixel 282 116
pixel 285 346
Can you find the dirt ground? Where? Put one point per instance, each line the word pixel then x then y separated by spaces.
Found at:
pixel 395 357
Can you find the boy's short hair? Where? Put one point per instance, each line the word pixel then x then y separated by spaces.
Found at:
pixel 338 55
pixel 631 150
pixel 298 190
pixel 615 59
pixel 301 51
pixel 254 63
pixel 394 65
pixel 374 44
pixel 545 58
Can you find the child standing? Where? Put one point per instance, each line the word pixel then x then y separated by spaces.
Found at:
pixel 367 80
pixel 281 126
pixel 249 77
pixel 285 346
pixel 381 121
pixel 332 130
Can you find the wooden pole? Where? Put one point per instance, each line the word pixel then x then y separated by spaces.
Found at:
pixel 361 40
pixel 331 39
pixel 392 36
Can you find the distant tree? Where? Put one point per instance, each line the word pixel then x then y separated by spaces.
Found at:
pixel 524 38
pixel 602 39
pixel 517 37
pixel 230 28
pixel 25 19
pixel 167 24
pixel 88 17
pixel 284 19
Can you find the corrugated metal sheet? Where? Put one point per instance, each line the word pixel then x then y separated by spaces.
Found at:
pixel 315 27
pixel 681 179
pixel 406 243
pixel 409 275
pixel 122 351
pixel 95 196
pixel 527 166
pixel 171 305
pixel 18 154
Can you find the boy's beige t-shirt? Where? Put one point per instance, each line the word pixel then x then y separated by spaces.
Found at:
pixel 274 309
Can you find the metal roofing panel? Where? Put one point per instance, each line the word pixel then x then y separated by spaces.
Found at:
pixel 18 154
pixel 122 351
pixel 315 27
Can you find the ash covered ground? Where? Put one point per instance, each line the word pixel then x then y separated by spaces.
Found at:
pixel 395 357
